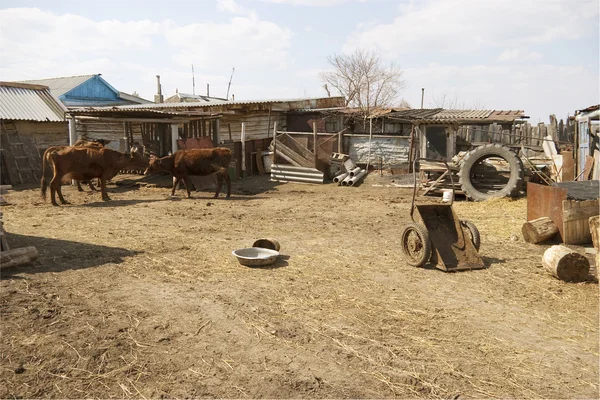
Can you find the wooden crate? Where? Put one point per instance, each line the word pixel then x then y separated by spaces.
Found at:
pixel 576 215
pixel 571 217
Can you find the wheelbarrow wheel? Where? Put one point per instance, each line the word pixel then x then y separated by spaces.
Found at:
pixel 473 233
pixel 415 244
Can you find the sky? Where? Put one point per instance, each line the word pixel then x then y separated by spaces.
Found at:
pixel 540 56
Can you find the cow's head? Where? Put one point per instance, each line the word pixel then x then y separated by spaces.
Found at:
pixel 153 165
pixel 137 158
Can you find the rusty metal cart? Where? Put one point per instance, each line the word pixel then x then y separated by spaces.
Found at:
pixel 437 235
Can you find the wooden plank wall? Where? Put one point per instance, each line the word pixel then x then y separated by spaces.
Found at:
pixel 525 133
pixel 258 126
pixel 576 214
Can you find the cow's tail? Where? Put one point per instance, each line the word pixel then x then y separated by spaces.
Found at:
pixel 44 181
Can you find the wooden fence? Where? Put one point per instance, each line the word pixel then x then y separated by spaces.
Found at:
pixel 524 133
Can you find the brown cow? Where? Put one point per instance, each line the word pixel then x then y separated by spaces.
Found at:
pixel 84 163
pixel 194 162
pixel 96 143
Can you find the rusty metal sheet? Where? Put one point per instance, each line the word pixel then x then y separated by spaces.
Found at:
pixel 453 250
pixel 546 201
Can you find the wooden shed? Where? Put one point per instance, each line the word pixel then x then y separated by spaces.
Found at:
pixel 29 115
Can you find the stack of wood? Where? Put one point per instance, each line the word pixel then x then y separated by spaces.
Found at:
pixel 435 177
pixel 8 257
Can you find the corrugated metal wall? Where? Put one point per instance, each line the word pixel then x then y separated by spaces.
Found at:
pixel 391 150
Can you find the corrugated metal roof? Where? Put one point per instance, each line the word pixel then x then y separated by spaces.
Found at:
pixel 415 113
pixel 134 107
pixel 29 103
pixel 60 86
pixel 190 98
pixel 462 114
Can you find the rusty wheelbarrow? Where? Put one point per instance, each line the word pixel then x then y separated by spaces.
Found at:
pixel 437 235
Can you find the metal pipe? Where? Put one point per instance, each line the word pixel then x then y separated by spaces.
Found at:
pixel 340 177
pixel 355 179
pixel 355 171
pixel 346 180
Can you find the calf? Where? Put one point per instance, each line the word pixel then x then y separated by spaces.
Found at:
pixel 194 162
pixel 84 163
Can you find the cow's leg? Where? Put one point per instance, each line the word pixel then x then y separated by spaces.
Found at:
pixel 60 195
pixel 103 189
pixel 53 192
pixel 186 183
pixel 79 188
pixel 175 183
pixel 55 187
pixel 219 184
pixel 228 181
pixel 91 185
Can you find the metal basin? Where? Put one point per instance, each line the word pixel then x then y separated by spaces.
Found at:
pixel 255 256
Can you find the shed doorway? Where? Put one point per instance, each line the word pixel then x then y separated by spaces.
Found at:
pixel 436 143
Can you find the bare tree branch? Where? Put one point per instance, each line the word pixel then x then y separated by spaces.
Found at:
pixel 364 81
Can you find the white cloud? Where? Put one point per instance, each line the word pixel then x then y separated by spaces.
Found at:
pixel 208 44
pixel 519 55
pixel 463 26
pixel 38 44
pixel 319 3
pixel 231 6
pixel 538 89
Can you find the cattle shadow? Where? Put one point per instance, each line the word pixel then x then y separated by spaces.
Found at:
pixel 118 203
pixel 57 255
pixel 249 186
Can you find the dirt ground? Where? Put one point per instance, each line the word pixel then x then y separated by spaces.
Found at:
pixel 140 297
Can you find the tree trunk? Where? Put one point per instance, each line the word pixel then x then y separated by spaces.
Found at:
pixel 539 230
pixel 23 255
pixel 565 264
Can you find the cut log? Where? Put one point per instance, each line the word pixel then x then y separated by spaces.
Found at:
pixel 566 264
pixel 539 230
pixel 595 231
pixel 22 255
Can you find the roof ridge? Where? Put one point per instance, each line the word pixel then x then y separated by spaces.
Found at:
pixel 60 77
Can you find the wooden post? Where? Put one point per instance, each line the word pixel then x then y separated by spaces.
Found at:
pixel 274 141
pixel 340 138
pixel 174 137
pixel 539 230
pixel 243 139
pixel 595 232
pixel 315 142
pixel 217 132
pixel 565 264
pixel 72 138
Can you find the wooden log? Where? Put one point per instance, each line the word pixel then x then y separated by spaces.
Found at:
pixel 539 230
pixel 595 231
pixel 565 264
pixel 22 255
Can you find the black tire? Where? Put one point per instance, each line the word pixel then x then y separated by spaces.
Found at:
pixel 473 233
pixel 415 244
pixel 480 190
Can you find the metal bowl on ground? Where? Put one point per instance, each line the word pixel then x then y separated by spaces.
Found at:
pixel 267 243
pixel 255 256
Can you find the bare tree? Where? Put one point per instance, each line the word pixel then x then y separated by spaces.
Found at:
pixel 453 102
pixel 363 80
